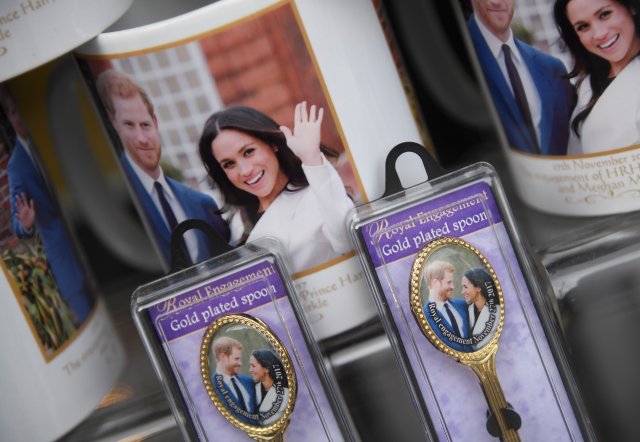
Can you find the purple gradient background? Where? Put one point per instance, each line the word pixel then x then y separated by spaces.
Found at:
pixel 525 365
pixel 309 421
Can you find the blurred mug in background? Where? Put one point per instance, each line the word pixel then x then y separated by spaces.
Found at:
pixel 65 353
pixel 568 110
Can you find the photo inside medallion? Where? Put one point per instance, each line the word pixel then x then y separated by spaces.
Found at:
pixel 250 372
pixel 459 296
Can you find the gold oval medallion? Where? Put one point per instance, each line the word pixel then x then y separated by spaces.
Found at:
pixel 456 299
pixel 249 375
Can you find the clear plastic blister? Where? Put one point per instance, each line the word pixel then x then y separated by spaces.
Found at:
pixel 443 246
pixel 231 346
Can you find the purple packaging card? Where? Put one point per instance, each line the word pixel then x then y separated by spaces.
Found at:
pixel 525 365
pixel 258 290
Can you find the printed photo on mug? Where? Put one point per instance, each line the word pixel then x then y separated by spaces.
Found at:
pixel 561 76
pixel 235 128
pixel 229 120
pixel 38 254
pixel 262 124
pixel 62 352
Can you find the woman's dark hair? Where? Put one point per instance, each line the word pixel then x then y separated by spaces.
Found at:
pixel 267 359
pixel 586 63
pixel 480 278
pixel 260 126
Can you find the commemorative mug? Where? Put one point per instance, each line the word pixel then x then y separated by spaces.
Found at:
pixel 567 111
pixel 62 351
pixel 33 32
pixel 253 117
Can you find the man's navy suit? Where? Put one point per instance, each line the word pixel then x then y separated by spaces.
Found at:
pixel 196 205
pixel 461 307
pixel 557 96
pixel 249 386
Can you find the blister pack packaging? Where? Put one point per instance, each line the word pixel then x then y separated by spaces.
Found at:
pixel 232 348
pixel 466 312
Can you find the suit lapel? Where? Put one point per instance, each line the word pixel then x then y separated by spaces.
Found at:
pixel 276 220
pixel 181 197
pixel 443 317
pixel 151 213
pixel 464 316
pixel 149 207
pixel 230 390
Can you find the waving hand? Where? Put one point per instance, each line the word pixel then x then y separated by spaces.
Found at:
pixel 25 210
pixel 304 141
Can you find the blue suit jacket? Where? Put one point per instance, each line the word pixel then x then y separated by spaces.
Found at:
pixel 461 306
pixel 557 96
pixel 248 385
pixel 196 205
pixel 25 177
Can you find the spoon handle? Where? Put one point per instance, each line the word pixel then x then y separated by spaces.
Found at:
pixel 277 437
pixel 486 372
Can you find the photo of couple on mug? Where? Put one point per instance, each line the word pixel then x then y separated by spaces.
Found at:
pixel 586 103
pixel 275 180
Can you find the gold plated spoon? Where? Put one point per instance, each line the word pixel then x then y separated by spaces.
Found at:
pixel 464 329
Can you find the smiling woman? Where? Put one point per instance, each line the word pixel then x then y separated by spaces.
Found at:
pixel 278 182
pixel 605 28
pixel 603 38
pixel 272 387
pixel 250 164
pixel 479 292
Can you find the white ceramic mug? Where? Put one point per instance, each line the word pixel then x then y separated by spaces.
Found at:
pixel 62 351
pixel 33 32
pixel 568 154
pixel 270 55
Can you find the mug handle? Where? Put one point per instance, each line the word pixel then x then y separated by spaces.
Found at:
pixel 107 214
pixel 452 87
